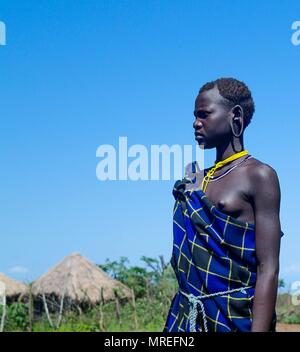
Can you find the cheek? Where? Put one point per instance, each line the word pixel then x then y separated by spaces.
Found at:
pixel 218 125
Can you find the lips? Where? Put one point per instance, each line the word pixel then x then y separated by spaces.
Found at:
pixel 198 135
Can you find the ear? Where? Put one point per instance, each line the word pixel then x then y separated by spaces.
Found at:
pixel 237 120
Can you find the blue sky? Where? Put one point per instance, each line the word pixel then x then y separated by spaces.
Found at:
pixel 78 74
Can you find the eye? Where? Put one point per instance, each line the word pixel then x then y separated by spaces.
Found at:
pixel 201 114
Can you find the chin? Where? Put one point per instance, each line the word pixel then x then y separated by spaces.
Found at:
pixel 204 145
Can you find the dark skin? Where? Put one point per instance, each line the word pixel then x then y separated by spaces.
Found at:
pixel 250 193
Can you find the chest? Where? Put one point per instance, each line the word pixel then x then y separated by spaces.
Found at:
pixel 229 195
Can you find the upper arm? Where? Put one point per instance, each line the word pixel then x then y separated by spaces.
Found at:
pixel 266 203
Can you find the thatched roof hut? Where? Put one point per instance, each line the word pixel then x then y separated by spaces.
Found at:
pixel 80 281
pixel 13 288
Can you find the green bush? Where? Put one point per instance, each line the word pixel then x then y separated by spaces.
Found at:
pixel 292 319
pixel 17 318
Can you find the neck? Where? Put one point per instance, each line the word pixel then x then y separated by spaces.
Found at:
pixel 226 150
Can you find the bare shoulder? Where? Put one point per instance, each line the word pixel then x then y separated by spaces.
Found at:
pixel 261 176
pixel 259 170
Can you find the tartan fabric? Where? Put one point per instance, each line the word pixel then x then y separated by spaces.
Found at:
pixel 212 252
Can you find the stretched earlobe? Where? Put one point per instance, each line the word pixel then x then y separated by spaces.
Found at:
pixel 237 122
pixel 237 135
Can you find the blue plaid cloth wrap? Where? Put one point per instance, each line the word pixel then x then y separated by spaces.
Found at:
pixel 213 255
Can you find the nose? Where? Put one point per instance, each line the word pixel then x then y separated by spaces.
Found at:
pixel 197 124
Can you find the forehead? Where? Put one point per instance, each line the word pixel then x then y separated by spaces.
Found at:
pixel 208 98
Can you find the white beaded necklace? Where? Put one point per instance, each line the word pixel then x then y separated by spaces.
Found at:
pixel 216 178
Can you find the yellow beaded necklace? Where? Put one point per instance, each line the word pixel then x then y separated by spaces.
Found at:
pixel 218 165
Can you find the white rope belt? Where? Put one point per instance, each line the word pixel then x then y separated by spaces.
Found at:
pixel 195 300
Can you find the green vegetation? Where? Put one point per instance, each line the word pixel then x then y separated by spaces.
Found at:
pixel 287 312
pixel 154 286
pixel 17 317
